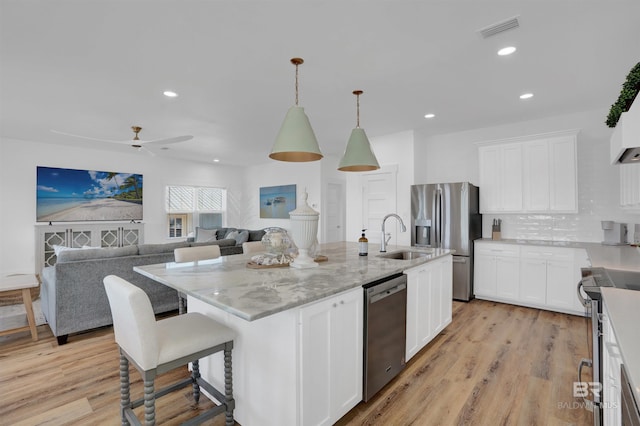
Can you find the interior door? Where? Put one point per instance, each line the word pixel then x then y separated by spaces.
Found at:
pixel 335 213
pixel 379 199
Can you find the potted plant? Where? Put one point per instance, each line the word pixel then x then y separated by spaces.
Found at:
pixel 630 89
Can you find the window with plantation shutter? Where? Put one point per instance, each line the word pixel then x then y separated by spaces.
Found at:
pixel 191 206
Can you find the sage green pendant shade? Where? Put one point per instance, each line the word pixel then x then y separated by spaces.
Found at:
pixel 296 140
pixel 358 156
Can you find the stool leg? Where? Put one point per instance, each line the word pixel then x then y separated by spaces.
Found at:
pixel 149 402
pixel 125 401
pixel 195 375
pixel 228 385
pixel 28 306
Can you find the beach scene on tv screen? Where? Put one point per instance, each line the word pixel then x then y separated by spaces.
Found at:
pixel 67 195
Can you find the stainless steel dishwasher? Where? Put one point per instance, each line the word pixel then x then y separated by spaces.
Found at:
pixel 385 319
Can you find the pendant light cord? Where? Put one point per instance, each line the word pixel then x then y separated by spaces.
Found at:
pixel 296 84
pixel 358 93
pixel 358 111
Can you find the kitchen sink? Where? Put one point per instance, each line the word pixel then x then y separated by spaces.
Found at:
pixel 407 254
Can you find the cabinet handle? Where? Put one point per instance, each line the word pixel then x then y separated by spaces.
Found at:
pixel 335 305
pixel 342 302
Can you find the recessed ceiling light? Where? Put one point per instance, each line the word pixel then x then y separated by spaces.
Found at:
pixel 215 160
pixel 429 115
pixel 170 94
pixel 526 96
pixel 506 51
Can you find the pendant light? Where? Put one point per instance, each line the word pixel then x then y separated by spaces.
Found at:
pixel 296 140
pixel 358 156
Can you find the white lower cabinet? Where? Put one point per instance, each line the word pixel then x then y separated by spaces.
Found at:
pixel 496 272
pixel 429 302
pixel 331 333
pixel 611 382
pixel 536 276
pixel 533 281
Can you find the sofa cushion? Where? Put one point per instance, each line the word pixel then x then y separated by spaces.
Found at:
pixel 161 248
pixel 205 235
pixel 96 253
pixel 231 235
pixel 221 243
pixel 256 235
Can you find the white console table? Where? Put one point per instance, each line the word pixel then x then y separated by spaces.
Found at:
pixel 103 234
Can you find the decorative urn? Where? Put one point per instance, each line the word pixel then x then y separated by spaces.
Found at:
pixel 304 229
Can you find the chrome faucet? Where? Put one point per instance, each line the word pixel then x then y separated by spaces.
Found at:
pixel 385 239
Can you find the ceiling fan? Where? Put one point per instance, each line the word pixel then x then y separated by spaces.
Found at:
pixel 135 142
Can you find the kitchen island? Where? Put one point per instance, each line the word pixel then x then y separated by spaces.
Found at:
pixel 297 359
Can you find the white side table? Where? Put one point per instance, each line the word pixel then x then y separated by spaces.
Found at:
pixel 24 283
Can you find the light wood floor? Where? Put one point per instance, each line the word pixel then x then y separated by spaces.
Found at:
pixel 495 364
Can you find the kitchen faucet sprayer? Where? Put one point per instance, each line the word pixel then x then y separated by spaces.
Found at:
pixel 384 240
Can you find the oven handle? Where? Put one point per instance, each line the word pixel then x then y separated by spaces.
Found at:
pixel 588 363
pixel 582 300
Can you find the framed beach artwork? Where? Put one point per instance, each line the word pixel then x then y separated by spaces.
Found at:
pixel 70 195
pixel 277 201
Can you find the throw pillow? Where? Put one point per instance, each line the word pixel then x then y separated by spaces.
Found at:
pixel 59 249
pixel 231 235
pixel 205 235
pixel 242 237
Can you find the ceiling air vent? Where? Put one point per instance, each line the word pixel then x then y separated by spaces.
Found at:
pixel 500 27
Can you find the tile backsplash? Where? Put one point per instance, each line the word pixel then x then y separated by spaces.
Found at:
pixel 569 227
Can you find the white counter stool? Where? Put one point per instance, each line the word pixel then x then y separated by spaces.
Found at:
pixel 155 347
pixel 22 283
pixel 252 247
pixel 193 254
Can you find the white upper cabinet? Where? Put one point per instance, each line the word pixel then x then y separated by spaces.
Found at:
pixel 563 174
pixel 630 186
pixel 501 178
pixel 533 174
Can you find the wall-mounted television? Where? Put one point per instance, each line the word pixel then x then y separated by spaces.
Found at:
pixel 70 195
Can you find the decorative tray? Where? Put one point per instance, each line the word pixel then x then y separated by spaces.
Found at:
pixel 254 265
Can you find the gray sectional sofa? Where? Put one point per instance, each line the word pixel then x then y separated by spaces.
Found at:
pixel 72 291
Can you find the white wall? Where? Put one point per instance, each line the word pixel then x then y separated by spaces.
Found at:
pixel 390 150
pixel 453 157
pixel 18 162
pixel 275 173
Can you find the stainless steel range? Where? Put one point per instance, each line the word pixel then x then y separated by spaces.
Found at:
pixel 593 279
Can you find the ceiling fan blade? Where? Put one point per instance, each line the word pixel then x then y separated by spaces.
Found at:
pixel 147 150
pixel 87 137
pixel 168 140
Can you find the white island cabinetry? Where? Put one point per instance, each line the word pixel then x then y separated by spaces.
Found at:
pixel 331 333
pixel 429 302
pixel 305 361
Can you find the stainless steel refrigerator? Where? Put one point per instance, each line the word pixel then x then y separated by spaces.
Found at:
pixel 447 215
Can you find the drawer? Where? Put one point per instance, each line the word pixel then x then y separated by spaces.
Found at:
pixel 497 249
pixel 547 253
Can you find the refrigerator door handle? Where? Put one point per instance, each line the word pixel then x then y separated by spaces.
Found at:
pixel 459 259
pixel 438 206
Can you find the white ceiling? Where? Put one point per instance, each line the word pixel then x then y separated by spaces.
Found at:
pixel 96 68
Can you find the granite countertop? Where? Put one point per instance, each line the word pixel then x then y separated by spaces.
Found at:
pixel 624 317
pixel 613 257
pixel 251 294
